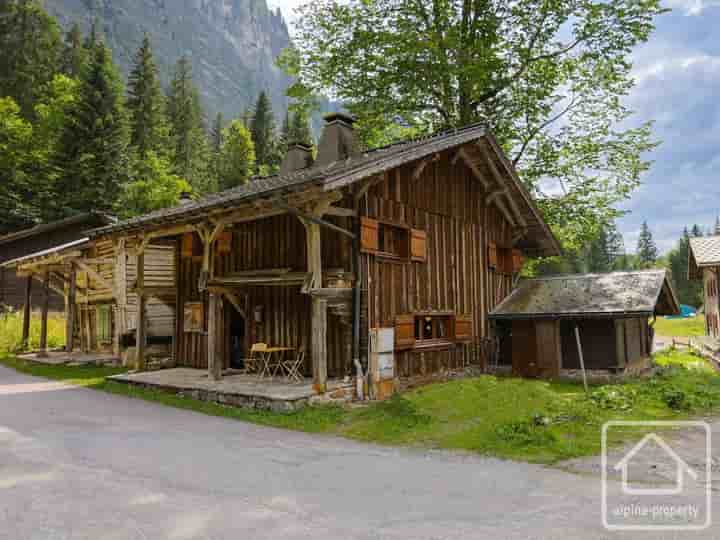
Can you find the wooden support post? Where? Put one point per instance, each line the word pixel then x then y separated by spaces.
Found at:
pixel 580 355
pixel 214 360
pixel 27 311
pixel 314 255
pixel 70 310
pixel 319 343
pixel 44 315
pixel 141 304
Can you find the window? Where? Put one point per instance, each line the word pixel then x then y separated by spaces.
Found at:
pixel 393 240
pixel 428 330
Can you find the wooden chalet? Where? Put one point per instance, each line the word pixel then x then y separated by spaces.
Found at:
pixel 704 264
pixel 97 282
pixel 384 262
pixel 584 321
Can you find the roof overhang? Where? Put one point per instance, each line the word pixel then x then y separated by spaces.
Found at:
pixel 49 256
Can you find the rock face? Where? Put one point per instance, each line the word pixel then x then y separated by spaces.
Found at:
pixel 232 43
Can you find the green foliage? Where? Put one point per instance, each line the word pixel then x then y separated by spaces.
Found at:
pixel 31 46
pixel 11 323
pixel 549 77
pixel 688 291
pixel 191 152
pixel 146 104
pixel 686 327
pixel 647 251
pixel 153 186
pixel 616 398
pixel 74 53
pixel 236 162
pixel 93 150
pixel 262 129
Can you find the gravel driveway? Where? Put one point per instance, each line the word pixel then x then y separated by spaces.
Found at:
pixel 81 464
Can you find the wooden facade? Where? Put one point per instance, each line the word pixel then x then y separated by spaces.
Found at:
pixel 417 241
pixel 704 265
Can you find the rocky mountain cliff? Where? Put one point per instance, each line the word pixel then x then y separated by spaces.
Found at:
pixel 232 43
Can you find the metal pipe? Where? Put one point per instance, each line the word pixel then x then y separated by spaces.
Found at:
pixel 580 354
pixel 357 301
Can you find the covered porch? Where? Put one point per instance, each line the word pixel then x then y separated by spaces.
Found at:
pixel 237 389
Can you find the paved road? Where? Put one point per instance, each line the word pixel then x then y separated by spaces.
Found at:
pixel 79 464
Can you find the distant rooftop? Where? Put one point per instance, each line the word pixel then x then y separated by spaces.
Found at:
pixel 706 250
pixel 645 292
pixel 44 228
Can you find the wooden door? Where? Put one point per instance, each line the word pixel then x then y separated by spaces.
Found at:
pixel 524 349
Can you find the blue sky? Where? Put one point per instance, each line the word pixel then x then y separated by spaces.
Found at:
pixel 678 86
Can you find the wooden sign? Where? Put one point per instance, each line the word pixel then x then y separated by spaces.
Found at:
pixel 193 316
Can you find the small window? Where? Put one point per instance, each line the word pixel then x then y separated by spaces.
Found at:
pixel 433 328
pixel 385 239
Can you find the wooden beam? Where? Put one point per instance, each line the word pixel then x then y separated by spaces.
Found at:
pixel 44 315
pixel 501 181
pixel 120 292
pixel 291 278
pixel 420 167
pixel 319 343
pixel 341 212
pixel 141 304
pixel 490 197
pixel 214 359
pixel 70 313
pixel 27 310
pixel 471 165
pixel 367 184
pixel 231 297
pixel 315 219
pixel 94 274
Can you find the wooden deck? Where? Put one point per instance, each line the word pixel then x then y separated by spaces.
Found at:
pixel 240 390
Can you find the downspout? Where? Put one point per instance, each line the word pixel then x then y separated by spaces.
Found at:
pixel 357 300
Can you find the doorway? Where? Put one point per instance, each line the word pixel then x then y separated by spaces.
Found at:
pixel 236 338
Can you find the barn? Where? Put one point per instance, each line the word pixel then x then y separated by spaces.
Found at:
pixel 703 264
pixel 546 324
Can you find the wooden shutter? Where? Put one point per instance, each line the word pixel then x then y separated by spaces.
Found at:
pixel 492 255
pixel 369 235
pixel 404 332
pixel 418 245
pixel 224 242
pixel 517 261
pixel 187 245
pixel 463 327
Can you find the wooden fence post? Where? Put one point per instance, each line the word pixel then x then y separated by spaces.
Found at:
pixel 27 310
pixel 70 311
pixel 44 315
pixel 141 305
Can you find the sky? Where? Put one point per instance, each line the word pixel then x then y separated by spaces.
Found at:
pixel 677 75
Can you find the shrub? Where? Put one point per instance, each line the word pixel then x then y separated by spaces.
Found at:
pixel 525 432
pixel 616 398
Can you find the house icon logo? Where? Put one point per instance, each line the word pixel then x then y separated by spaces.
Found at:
pixel 681 468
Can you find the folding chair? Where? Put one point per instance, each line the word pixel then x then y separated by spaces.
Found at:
pixel 256 361
pixel 294 366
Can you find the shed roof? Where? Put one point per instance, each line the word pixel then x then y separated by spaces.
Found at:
pixel 644 292
pixel 339 174
pixel 75 244
pixel 706 250
pixel 44 228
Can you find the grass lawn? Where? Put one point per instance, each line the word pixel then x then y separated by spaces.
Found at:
pixel 692 326
pixel 531 420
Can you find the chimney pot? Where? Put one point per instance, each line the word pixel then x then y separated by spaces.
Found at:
pixel 338 141
pixel 298 157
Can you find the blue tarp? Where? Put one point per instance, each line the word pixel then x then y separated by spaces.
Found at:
pixel 685 312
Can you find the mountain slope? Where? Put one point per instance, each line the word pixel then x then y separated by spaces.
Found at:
pixel 232 43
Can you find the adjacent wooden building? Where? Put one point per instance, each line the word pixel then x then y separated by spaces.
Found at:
pixel 15 291
pixel 704 264
pixel 540 324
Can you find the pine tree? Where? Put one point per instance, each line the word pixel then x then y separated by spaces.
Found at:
pixel 216 134
pixel 30 46
pixel 146 104
pixel 299 131
pixel 262 129
pixel 696 231
pixel 647 251
pixel 74 53
pixel 236 161
pixel 92 153
pixel 191 152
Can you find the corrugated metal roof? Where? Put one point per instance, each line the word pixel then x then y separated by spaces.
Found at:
pixel 609 294
pixel 706 250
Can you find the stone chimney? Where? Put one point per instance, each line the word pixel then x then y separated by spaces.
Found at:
pixel 185 198
pixel 298 156
pixel 337 142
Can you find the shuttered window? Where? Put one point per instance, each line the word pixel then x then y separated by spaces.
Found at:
pixel 418 245
pixel 369 235
pixel 224 242
pixel 517 261
pixel 492 255
pixel 463 327
pixel 404 332
pixel 187 245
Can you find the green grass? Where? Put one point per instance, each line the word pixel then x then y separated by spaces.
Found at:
pixel 523 419
pixel 11 331
pixel 689 327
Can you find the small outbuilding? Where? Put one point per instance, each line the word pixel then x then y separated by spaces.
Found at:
pixel 704 264
pixel 540 324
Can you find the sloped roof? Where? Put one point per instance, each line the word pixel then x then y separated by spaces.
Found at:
pixel 330 177
pixel 591 295
pixel 44 228
pixel 75 244
pixel 706 250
